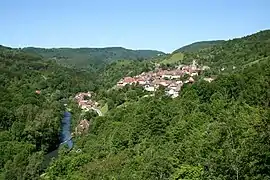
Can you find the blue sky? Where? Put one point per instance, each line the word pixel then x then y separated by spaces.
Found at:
pixel 138 24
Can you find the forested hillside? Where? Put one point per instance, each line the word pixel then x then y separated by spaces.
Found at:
pixel 218 130
pixel 198 46
pixel 29 120
pixel 92 58
pixel 236 53
pixel 109 75
pixel 225 56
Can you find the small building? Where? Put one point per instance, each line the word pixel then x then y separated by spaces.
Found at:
pixel 141 82
pixel 120 83
pixel 178 87
pixel 205 68
pixel 148 87
pixel 172 86
pixel 209 79
pixel 191 80
pixel 194 74
pixel 129 80
pixel 172 93
pixel 82 127
pixel 175 76
pixel 166 76
pixel 164 83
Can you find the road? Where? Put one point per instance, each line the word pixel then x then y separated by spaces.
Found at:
pixel 98 111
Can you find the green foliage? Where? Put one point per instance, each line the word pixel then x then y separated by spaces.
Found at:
pixel 173 58
pixel 91 58
pixel 112 73
pixel 215 130
pixel 29 122
pixel 237 52
pixel 90 114
pixel 198 46
pixel 188 172
pixel 104 108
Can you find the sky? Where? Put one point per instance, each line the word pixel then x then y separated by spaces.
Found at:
pixel 163 25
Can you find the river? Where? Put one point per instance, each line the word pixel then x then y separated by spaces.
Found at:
pixel 65 139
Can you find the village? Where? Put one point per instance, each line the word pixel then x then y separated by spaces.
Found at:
pixel 172 79
pixel 84 102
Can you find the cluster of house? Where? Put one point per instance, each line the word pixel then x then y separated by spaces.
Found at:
pixel 172 80
pixel 82 127
pixel 84 101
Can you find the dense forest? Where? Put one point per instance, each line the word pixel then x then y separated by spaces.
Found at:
pixel 29 121
pixel 198 46
pixel 92 58
pixel 218 130
pixel 236 53
pixel 110 74
pixel 213 131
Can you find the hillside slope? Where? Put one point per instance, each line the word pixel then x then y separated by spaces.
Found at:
pixel 92 57
pixel 173 58
pixel 115 71
pixel 217 130
pixel 198 46
pixel 31 94
pixel 236 52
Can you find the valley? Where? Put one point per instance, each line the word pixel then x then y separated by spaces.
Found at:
pixel 200 112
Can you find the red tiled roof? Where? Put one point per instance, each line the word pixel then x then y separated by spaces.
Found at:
pixel 191 79
pixel 129 79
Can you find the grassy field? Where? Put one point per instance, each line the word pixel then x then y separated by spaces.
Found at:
pixel 176 57
pixel 104 109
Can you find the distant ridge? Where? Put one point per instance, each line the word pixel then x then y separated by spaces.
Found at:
pixel 89 57
pixel 198 46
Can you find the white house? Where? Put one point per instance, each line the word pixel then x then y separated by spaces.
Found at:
pixel 149 88
pixel 208 79
pixel 175 77
pixel 172 93
pixel 142 82
pixel 166 76
pixel 194 74
pixel 205 68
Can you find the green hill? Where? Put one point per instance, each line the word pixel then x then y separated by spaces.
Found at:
pixel 173 58
pixel 29 122
pixel 92 57
pixel 113 72
pixel 198 46
pixel 234 53
pixel 217 130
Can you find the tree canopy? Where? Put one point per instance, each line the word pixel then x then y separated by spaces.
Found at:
pixel 217 130
pixel 91 58
pixel 29 121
